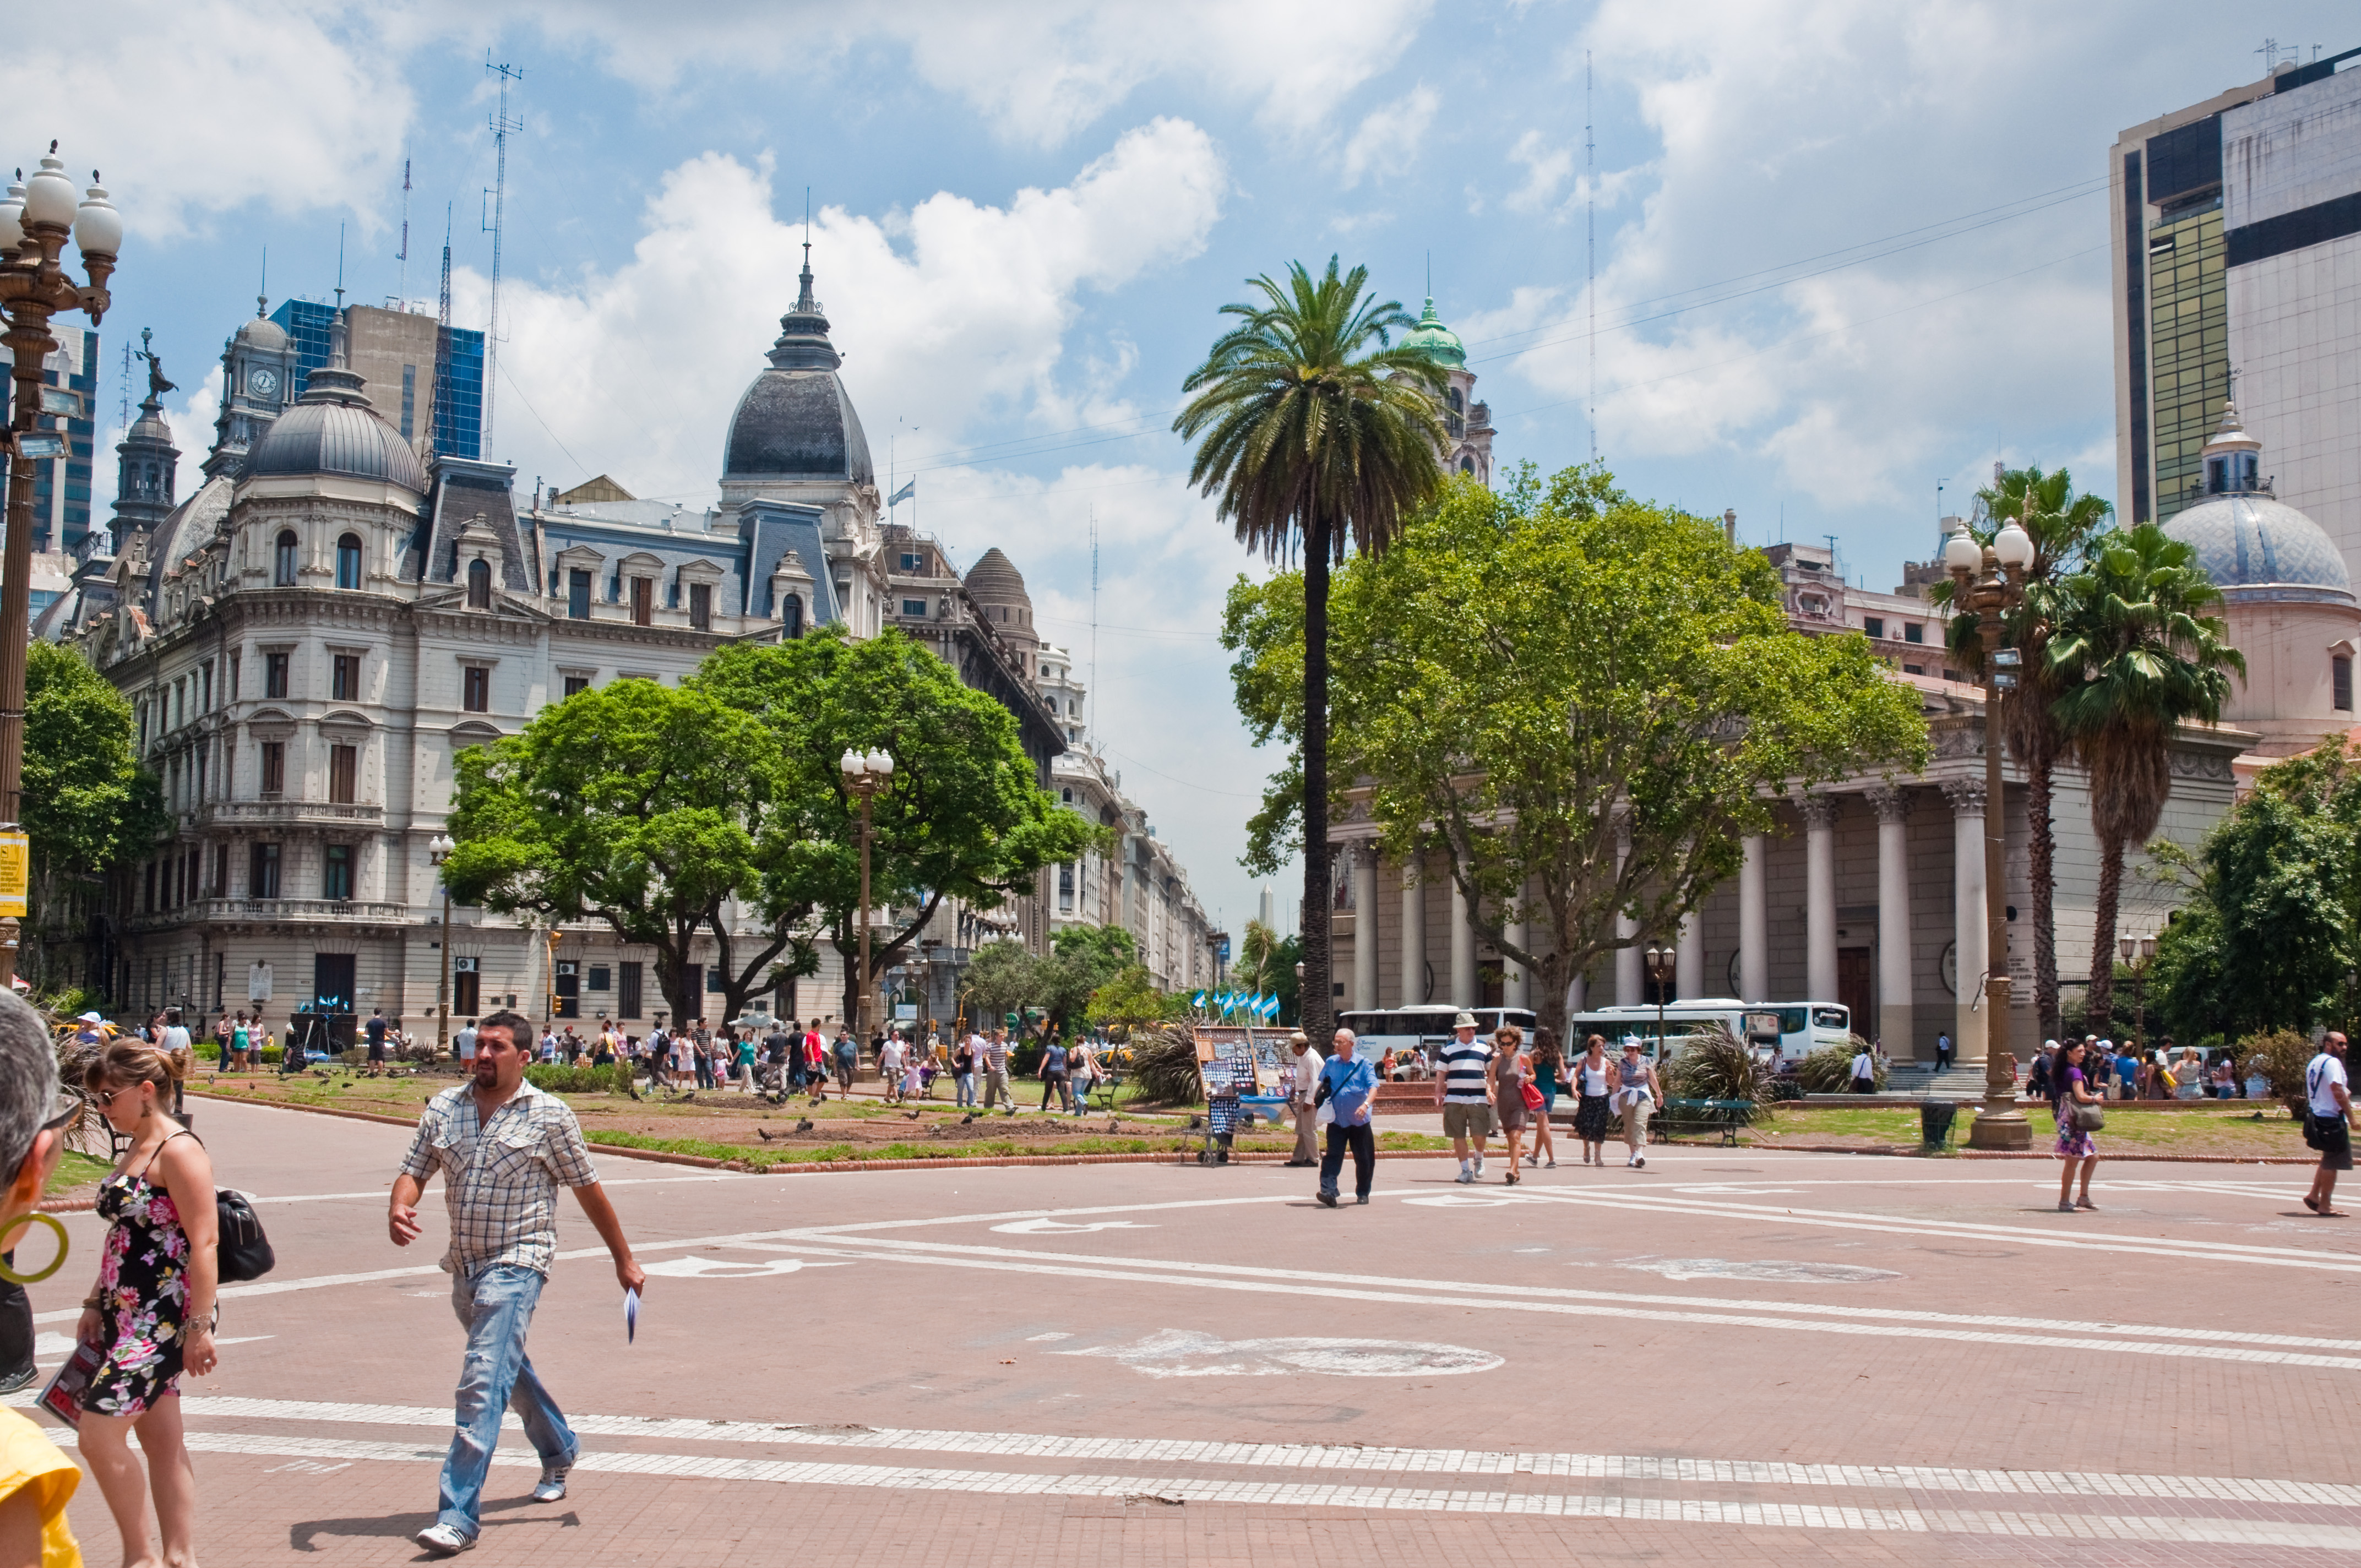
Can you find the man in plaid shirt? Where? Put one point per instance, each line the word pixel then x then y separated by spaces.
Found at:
pixel 503 1148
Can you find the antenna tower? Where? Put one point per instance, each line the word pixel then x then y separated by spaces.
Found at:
pixel 126 384
pixel 403 255
pixel 442 340
pixel 1590 241
pixel 1094 610
pixel 501 129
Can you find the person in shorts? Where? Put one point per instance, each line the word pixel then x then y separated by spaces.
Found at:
pixel 376 1027
pixel 1464 1090
pixel 2329 1126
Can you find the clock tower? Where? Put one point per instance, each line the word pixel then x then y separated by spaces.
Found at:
pixel 257 366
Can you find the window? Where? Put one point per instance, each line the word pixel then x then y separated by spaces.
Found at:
pixel 578 596
pixel 274 767
pixel 576 684
pixel 2339 674
pixel 274 674
pixel 219 887
pixel 627 989
pixel 344 765
pixel 262 880
pixel 1950 675
pixel 700 606
pixel 644 601
pixel 1873 625
pixel 233 677
pixel 282 568
pixel 1913 669
pixel 348 561
pixel 912 561
pixel 345 677
pixel 336 874
pixel 566 985
pixel 479 585
pixel 408 399
pixel 1912 633
pixel 916 608
pixel 467 983
pixel 150 896
pixel 206 704
pixel 791 614
pixel 601 977
pixel 475 689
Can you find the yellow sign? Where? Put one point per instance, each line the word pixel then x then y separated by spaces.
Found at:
pixel 15 872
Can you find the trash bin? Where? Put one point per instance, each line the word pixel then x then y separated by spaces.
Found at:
pixel 1935 1122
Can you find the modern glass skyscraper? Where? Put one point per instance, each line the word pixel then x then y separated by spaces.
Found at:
pixel 405 358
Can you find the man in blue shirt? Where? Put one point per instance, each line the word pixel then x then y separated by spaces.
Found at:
pixel 1348 1084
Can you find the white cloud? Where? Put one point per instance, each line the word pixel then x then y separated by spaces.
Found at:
pixel 1387 138
pixel 956 313
pixel 195 109
pixel 1546 168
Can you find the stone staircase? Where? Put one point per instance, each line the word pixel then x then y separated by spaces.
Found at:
pixel 1919 1080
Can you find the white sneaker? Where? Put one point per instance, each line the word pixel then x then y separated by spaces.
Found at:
pixel 1465 1175
pixel 444 1541
pixel 1479 1166
pixel 553 1484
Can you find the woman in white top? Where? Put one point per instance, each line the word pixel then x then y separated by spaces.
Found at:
pixel 1594 1088
pixel 1637 1096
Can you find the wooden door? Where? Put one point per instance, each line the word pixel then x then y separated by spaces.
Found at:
pixel 1856 990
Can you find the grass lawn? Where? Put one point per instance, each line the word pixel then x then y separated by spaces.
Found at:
pixel 2225 1132
pixel 77 1171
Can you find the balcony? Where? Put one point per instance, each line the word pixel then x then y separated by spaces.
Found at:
pixel 288 813
pixel 280 911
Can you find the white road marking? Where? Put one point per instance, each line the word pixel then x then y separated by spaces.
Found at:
pixel 696 1268
pixel 2051 1525
pixel 1184 1352
pixel 1059 1227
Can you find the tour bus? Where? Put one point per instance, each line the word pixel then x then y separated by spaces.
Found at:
pixel 1780 1031
pixel 1419 1032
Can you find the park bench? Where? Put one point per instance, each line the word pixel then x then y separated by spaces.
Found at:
pixel 1728 1115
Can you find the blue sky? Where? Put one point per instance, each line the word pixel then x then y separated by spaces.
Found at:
pixel 1845 250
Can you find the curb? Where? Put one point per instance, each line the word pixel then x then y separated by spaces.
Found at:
pixel 1898 1151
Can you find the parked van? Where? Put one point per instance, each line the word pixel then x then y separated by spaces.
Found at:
pixel 1780 1031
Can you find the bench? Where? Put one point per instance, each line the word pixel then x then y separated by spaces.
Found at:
pixel 1105 1091
pixel 1728 1115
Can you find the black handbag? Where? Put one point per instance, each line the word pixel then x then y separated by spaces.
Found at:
pixel 243 1251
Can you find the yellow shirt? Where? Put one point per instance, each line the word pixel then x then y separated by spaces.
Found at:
pixel 29 1459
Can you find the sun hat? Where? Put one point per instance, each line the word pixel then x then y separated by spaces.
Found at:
pixel 1465 1021
pixel 90 1018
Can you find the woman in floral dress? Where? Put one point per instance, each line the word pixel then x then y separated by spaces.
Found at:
pixel 2076 1147
pixel 151 1312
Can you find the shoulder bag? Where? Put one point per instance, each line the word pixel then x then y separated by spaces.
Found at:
pixel 2084 1118
pixel 241 1251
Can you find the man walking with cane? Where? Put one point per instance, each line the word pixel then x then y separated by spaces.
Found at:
pixel 503 1149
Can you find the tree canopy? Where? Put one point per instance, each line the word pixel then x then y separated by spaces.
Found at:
pixel 89 805
pixel 1005 978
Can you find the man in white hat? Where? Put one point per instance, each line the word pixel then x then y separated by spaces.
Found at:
pixel 1302 1091
pixel 1463 1090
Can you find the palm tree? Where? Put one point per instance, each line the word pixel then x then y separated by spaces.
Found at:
pixel 1319 431
pixel 2133 654
pixel 2061 524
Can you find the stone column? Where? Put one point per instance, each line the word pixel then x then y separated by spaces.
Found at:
pixel 1688 958
pixel 1819 897
pixel 1967 798
pixel 1463 950
pixel 1413 935
pixel 1630 969
pixel 1754 923
pixel 1364 928
pixel 1895 1023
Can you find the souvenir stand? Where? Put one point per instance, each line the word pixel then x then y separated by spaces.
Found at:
pixel 1238 1067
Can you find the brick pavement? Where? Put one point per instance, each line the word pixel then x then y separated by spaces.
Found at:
pixel 1737 1355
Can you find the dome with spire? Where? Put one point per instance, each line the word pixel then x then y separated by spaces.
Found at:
pixel 263 334
pixel 794 422
pixel 1434 340
pixel 333 429
pixel 2254 545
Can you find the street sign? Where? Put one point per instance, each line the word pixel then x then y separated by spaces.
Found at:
pixel 257 982
pixel 15 872
pixel 906 1011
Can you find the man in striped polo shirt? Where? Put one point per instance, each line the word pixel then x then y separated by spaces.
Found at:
pixel 1464 1090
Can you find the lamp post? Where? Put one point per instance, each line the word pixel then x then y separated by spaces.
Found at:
pixel 1662 965
pixel 865 774
pixel 1989 580
pixel 438 849
pixel 35 220
pixel 2139 953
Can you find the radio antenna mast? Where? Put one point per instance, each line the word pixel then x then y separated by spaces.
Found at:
pixel 501 129
pixel 403 255
pixel 1590 240
pixel 441 394
pixel 1094 612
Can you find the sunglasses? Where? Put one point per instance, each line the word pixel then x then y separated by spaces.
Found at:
pixel 66 1109
pixel 105 1097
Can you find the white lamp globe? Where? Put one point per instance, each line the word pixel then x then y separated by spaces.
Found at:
pixel 1962 554
pixel 98 227
pixel 48 194
pixel 881 764
pixel 853 763
pixel 12 217
pixel 2014 546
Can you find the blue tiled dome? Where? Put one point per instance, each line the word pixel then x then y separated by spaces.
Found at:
pixel 2251 542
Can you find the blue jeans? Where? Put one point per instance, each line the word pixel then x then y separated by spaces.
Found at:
pixel 966 1082
pixel 496 1303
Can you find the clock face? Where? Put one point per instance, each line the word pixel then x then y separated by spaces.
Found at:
pixel 262 382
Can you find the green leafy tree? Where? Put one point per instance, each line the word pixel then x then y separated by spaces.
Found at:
pixel 1262 623
pixel 2134 653
pixel 1586 701
pixel 1003 978
pixel 1266 965
pixel 89 805
pixel 964 818
pixel 2061 524
pixel 638 804
pixel 1318 432
pixel 1130 1001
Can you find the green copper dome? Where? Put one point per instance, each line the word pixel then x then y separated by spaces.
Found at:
pixel 1434 339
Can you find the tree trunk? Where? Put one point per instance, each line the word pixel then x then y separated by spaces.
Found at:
pixel 1318 998
pixel 2098 1019
pixel 2042 856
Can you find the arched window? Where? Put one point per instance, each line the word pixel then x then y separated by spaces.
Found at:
pixel 479 585
pixel 2340 676
pixel 1467 464
pixel 282 572
pixel 791 614
pixel 348 561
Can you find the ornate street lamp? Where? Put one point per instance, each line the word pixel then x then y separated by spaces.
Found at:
pixel 438 849
pixel 1662 964
pixel 1989 581
pixel 865 774
pixel 35 220
pixel 2138 952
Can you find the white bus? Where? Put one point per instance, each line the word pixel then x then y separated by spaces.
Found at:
pixel 1780 1031
pixel 1421 1031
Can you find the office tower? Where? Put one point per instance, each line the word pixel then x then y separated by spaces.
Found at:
pixel 62 484
pixel 394 353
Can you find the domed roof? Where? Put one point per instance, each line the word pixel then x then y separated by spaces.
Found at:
pixel 1436 341
pixel 331 429
pixel 150 426
pixel 2255 540
pixel 794 422
pixel 263 333
pixel 995 579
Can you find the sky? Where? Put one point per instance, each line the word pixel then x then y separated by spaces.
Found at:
pixel 1807 260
